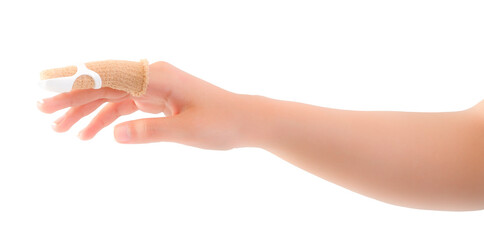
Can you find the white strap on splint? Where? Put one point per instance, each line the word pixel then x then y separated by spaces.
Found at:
pixel 65 84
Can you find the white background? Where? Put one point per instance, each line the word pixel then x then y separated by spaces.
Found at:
pixel 361 55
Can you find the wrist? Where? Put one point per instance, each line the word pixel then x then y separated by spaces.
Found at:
pixel 256 121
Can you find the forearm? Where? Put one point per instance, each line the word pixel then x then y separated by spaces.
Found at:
pixel 421 160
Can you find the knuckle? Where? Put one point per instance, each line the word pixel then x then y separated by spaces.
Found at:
pixel 70 113
pixel 103 122
pixel 160 65
pixel 131 107
pixel 66 98
pixel 101 91
pixel 140 130
pixel 85 110
pixel 116 112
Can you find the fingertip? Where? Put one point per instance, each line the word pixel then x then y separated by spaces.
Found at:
pixel 83 136
pixel 40 102
pixel 46 106
pixel 58 128
pixel 80 135
pixel 41 106
pixel 122 133
pixel 56 125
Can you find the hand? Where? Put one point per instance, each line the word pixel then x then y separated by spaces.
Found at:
pixel 197 113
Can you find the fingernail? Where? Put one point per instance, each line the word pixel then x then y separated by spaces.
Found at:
pixel 79 135
pixel 57 122
pixel 122 134
pixel 39 104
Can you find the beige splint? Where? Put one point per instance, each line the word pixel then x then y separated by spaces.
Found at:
pixel 128 76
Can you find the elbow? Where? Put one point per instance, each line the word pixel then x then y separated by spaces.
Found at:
pixel 462 180
pixel 462 186
pixel 453 181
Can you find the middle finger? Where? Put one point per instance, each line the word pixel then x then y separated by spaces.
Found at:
pixel 80 97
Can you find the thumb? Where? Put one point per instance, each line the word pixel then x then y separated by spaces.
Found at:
pixel 148 130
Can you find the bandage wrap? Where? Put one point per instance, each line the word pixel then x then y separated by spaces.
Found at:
pixel 128 76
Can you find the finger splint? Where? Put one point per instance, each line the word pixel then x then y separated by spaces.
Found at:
pixel 128 76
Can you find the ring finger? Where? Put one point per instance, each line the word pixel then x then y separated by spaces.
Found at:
pixel 74 114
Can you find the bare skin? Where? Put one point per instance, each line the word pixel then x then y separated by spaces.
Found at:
pixel 419 160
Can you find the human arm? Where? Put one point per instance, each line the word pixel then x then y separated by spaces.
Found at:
pixel 420 160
